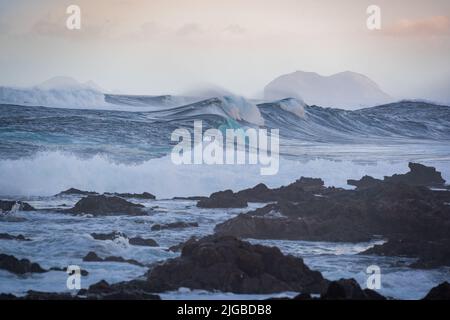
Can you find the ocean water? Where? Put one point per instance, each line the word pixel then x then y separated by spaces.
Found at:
pixel 124 146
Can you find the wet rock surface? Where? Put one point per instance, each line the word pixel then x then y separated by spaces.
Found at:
pixel 7 206
pixel 349 289
pixel 93 257
pixel 105 206
pixel 399 207
pixel 74 191
pixel 136 241
pixel 144 195
pixel 418 175
pixel 440 292
pixel 231 265
pixel 19 266
pixel 7 236
pixel 223 199
pixel 430 254
pixel 174 225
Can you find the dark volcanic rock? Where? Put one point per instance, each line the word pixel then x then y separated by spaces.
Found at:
pixel 108 236
pixel 259 193
pixel 104 206
pixel 364 183
pixel 138 241
pixel 6 205
pixel 180 246
pixel 440 292
pixel 144 195
pixel 431 254
pixel 194 198
pixel 223 199
pixel 387 209
pixel 230 265
pixel 174 225
pixel 419 175
pixel 349 289
pixel 73 191
pixel 14 265
pixel 128 290
pixel 93 257
pixel 83 272
pixel 6 236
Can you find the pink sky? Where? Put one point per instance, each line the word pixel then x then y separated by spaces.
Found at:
pixel 156 47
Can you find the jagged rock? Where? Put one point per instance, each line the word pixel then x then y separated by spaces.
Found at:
pixel 431 254
pixel 419 175
pixel 83 272
pixel 349 289
pixel 180 246
pixel 440 292
pixel 14 265
pixel 6 236
pixel 108 236
pixel 364 183
pixel 73 191
pixel 259 193
pixel 230 265
pixel 7 205
pixel 303 188
pixel 387 209
pixel 194 198
pixel 174 225
pixel 222 199
pixel 128 290
pixel 138 241
pixel 104 206
pixel 93 257
pixel 144 195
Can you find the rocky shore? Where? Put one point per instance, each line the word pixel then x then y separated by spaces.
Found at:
pixel 411 212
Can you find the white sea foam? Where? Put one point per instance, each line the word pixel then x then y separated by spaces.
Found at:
pixel 48 173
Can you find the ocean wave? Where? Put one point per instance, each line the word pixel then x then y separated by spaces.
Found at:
pixel 48 173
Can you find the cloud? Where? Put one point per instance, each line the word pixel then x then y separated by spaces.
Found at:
pixel 234 29
pixel 430 26
pixel 189 29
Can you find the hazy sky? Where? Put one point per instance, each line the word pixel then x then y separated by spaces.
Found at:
pixel 171 46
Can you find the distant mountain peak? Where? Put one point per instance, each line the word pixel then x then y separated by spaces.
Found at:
pixel 347 89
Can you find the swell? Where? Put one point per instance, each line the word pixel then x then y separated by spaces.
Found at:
pixel 138 136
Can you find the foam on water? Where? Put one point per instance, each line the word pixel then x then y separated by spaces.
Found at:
pixel 59 240
pixel 48 173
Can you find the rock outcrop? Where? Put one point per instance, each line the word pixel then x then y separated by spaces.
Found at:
pixel 6 236
pixel 22 266
pixel 398 208
pixel 76 192
pixel 144 195
pixel 418 175
pixel 430 254
pixel 93 257
pixel 349 289
pixel 105 206
pixel 7 206
pixel 440 292
pixel 222 199
pixel 231 265
pixel 174 225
